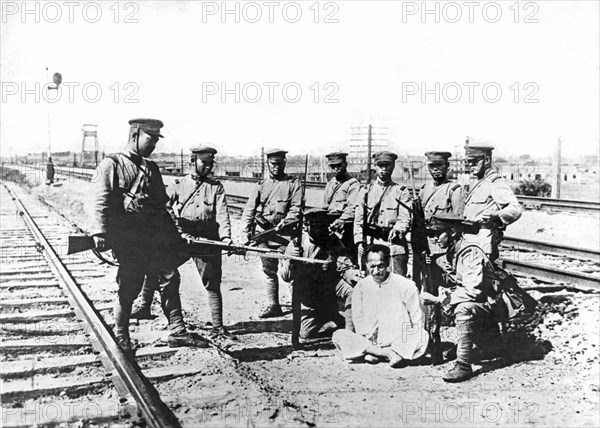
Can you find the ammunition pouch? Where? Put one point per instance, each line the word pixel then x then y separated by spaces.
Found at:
pixel 377 232
pixel 263 222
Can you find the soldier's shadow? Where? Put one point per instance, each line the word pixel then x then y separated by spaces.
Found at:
pixel 283 351
pixel 519 346
pixel 262 326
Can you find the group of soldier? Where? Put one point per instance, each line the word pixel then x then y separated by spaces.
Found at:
pixel 348 264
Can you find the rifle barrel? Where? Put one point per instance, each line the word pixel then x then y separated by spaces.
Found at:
pixel 264 252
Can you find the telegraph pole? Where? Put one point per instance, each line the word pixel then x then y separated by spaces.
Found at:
pixel 371 143
pixel 556 171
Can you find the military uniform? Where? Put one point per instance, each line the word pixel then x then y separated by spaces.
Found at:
pixel 201 210
pixel 130 212
pixel 440 196
pixel 385 211
pixel 473 304
pixel 276 200
pixel 340 199
pixel 473 299
pixel 491 193
pixel 320 286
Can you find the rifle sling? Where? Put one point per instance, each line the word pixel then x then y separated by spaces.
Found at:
pixel 136 182
pixel 335 190
pixel 376 207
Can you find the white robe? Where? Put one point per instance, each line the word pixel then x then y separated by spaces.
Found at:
pixel 387 315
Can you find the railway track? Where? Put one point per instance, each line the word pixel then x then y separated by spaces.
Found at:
pixel 539 260
pixel 576 267
pixel 57 346
pixel 71 351
pixel 528 202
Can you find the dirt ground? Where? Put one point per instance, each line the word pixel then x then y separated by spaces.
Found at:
pixel 551 380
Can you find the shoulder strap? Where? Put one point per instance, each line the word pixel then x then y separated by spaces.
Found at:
pixel 135 185
pixel 378 204
pixel 189 197
pixel 475 246
pixel 431 196
pixel 335 190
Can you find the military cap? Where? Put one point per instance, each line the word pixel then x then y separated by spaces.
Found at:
pixel 318 213
pixel 335 158
pixel 438 156
pixel 203 152
pixel 385 157
pixel 149 126
pixel 276 154
pixel 443 221
pixel 477 151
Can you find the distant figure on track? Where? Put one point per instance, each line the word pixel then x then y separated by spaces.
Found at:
pixel 132 218
pixel 50 171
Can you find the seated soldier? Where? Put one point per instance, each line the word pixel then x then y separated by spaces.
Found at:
pixel 320 285
pixel 471 299
pixel 387 316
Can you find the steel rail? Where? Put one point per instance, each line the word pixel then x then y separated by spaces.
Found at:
pixel 528 202
pixel 550 248
pixel 551 274
pixel 154 411
pixel 538 271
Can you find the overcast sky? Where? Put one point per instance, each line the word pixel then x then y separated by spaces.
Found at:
pixel 374 61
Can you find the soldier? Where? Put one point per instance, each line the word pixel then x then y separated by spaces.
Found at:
pixel 440 196
pixel 319 285
pixel 471 298
pixel 492 205
pixel 340 197
pixel 490 202
pixel 132 219
pixel 200 208
pixel 388 219
pixel 274 203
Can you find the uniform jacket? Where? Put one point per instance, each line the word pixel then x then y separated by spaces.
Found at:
pixel 112 180
pixel 200 207
pixel 446 197
pixel 317 282
pixel 340 197
pixel 390 213
pixel 275 199
pixel 491 193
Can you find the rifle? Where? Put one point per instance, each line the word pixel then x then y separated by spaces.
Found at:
pixel 421 273
pixel 78 244
pixel 365 228
pixel 297 240
pixel 263 252
pixel 270 232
